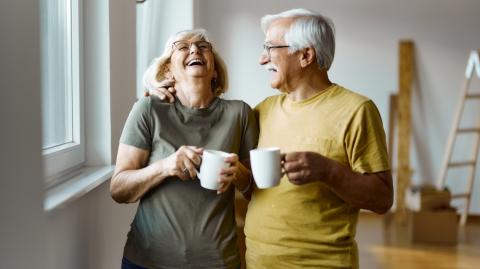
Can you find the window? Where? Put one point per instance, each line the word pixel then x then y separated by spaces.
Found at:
pixel 62 142
pixel 77 74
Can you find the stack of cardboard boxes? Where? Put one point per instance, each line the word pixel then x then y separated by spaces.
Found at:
pixel 431 218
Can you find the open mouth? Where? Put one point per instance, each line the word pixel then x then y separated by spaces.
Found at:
pixel 195 62
pixel 271 68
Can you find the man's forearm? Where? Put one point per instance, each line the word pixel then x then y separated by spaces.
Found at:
pixel 366 191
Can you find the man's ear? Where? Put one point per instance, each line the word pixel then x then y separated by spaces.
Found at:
pixel 307 57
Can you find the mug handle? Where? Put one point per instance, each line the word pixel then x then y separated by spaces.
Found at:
pixel 196 170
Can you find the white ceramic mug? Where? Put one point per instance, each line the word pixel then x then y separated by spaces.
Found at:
pixel 265 164
pixel 213 161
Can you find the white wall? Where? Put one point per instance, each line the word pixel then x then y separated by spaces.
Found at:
pixel 366 61
pixel 22 222
pixel 89 233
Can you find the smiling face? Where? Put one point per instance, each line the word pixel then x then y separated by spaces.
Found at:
pixel 191 58
pixel 283 66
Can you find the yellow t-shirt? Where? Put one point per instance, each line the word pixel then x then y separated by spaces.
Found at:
pixel 308 226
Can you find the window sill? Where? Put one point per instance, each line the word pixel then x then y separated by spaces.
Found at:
pixel 88 178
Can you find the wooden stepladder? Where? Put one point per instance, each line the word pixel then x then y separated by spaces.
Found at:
pixel 473 68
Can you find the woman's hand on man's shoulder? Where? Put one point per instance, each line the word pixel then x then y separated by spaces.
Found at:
pixel 165 91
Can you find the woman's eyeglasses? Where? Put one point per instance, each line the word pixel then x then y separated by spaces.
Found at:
pixel 185 45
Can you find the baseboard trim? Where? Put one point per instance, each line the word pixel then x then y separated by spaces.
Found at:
pixel 472 218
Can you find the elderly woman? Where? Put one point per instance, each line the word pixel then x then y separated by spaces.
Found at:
pixel 179 224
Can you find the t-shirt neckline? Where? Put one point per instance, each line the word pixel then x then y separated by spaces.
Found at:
pixel 194 110
pixel 309 99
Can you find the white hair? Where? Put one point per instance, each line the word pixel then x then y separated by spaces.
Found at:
pixel 155 73
pixel 309 29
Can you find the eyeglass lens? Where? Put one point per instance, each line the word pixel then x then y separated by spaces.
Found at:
pixel 185 45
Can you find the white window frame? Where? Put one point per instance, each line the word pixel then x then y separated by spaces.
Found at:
pixel 107 61
pixel 59 161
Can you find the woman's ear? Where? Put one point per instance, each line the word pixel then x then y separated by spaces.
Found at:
pixel 307 57
pixel 214 82
pixel 168 74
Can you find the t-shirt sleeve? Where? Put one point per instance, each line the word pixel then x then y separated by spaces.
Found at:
pixel 137 130
pixel 250 132
pixel 365 141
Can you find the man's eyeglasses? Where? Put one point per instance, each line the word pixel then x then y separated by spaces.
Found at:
pixel 267 48
pixel 184 46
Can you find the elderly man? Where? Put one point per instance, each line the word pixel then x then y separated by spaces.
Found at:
pixel 335 160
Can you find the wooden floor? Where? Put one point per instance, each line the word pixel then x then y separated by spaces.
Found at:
pixel 384 245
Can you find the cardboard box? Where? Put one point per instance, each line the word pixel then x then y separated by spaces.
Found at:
pixel 425 198
pixel 439 226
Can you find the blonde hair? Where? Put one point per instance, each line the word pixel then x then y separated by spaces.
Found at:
pixel 157 69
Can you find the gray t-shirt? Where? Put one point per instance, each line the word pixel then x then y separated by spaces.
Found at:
pixel 179 224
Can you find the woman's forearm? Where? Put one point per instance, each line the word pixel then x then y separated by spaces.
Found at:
pixel 128 186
